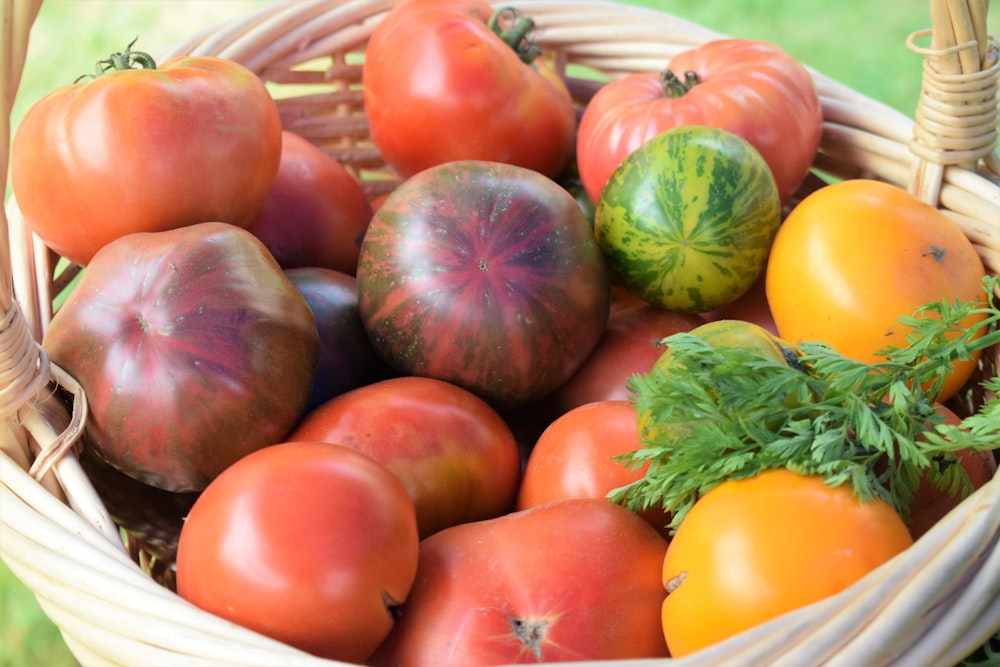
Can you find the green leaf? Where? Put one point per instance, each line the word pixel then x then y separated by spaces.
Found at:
pixel 720 413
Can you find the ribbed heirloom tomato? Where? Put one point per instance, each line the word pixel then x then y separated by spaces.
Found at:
pixel 143 149
pixel 855 256
pixel 572 580
pixel 753 89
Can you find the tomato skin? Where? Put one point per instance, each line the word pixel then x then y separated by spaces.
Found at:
pixel 347 359
pixel 883 254
pixel 575 458
pixel 197 139
pixel 456 456
pixel 750 88
pixel 931 504
pixel 687 219
pixel 751 307
pixel 631 343
pixel 576 579
pixel 304 542
pixel 193 347
pixel 439 86
pixel 315 213
pixel 753 549
pixel 485 275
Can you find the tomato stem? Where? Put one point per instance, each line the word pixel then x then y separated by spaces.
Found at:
pixel 129 59
pixel 673 86
pixel 515 32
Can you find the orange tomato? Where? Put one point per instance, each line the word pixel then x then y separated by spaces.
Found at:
pixel 575 458
pixel 750 550
pixel 855 256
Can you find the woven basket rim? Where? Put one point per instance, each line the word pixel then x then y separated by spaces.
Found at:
pixel 58 538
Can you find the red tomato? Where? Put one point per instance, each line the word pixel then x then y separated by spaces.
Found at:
pixel 884 253
pixel 196 139
pixel 753 549
pixel 931 504
pixel 316 213
pixel 576 579
pixel 456 456
pixel 575 458
pixel 309 543
pixel 440 84
pixel 752 89
pixel 631 343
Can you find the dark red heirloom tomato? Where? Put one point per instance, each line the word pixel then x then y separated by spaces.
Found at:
pixel 347 359
pixel 456 456
pixel 193 348
pixel 485 275
pixel 145 149
pixel 316 211
pixel 309 543
pixel 753 89
pixel 453 80
pixel 573 580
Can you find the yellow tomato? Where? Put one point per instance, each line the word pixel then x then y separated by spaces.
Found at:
pixel 750 550
pixel 855 256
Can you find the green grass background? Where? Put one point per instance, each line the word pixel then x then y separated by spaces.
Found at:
pixel 858 42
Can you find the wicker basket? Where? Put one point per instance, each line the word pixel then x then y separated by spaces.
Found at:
pixel 931 605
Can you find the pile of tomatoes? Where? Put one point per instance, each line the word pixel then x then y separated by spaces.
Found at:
pixel 385 432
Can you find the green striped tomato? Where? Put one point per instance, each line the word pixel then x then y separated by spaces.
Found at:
pixel 686 221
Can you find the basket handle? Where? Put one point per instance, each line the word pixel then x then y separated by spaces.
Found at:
pixel 956 115
pixel 32 417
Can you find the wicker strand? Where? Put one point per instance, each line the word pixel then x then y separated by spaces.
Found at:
pixel 927 607
pixel 956 115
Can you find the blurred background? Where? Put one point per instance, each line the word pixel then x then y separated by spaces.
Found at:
pixel 856 42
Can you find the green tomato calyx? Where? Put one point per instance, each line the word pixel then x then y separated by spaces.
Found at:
pixel 513 27
pixel 128 59
pixel 674 87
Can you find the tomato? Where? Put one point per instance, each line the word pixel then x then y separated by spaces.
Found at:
pixel 752 549
pixel 752 307
pixel 441 84
pixel 193 348
pixel 315 213
pixel 686 221
pixel 196 139
pixel 575 458
pixel 347 359
pixel 576 579
pixel 883 253
pixel 632 342
pixel 751 88
pixel 456 456
pixel 485 275
pixel 309 543
pixel 739 334
pixel 930 503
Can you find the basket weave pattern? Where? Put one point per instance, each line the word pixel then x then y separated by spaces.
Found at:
pixel 930 606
